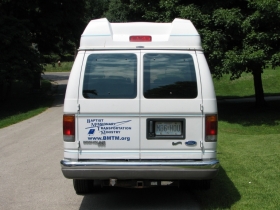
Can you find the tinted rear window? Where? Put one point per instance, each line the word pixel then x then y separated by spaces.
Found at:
pixel 169 76
pixel 110 76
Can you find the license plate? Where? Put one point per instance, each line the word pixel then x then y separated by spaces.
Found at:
pixel 168 128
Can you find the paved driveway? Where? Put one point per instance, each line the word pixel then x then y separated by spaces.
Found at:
pixel 30 175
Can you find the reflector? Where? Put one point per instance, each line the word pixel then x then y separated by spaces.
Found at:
pixel 140 38
pixel 68 125
pixel 211 128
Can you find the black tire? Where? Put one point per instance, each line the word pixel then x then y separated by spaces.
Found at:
pixel 83 186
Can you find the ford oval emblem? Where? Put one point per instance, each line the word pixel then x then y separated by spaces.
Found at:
pixel 190 143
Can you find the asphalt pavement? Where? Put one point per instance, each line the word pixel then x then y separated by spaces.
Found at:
pixel 31 178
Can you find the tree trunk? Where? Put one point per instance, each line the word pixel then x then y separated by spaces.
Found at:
pixel 259 95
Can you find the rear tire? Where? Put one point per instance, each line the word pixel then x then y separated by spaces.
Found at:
pixel 83 186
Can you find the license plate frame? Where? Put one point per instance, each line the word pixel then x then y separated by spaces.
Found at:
pixel 160 128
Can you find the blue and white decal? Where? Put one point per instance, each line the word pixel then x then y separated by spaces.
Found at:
pixel 107 130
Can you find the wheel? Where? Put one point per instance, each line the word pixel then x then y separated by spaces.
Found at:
pixel 83 186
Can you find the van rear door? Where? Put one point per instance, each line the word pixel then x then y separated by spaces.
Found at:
pixel 171 119
pixel 108 120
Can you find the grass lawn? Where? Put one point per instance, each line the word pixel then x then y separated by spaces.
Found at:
pixel 22 104
pixel 64 67
pixel 249 155
pixel 248 149
pixel 244 86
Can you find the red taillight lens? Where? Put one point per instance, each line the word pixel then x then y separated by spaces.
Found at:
pixel 69 127
pixel 140 38
pixel 211 128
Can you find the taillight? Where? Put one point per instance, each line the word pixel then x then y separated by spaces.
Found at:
pixel 140 38
pixel 211 128
pixel 69 128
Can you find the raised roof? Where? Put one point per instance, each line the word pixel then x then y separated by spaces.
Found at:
pixel 101 34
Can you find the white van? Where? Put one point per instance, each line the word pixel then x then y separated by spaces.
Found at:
pixel 140 107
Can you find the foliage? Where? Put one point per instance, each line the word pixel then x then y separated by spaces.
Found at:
pixel 18 61
pixel 32 28
pixel 57 25
pixel 123 11
pixel 95 9
pixel 237 36
pixel 117 11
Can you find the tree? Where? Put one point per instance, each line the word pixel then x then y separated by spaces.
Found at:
pixel 122 11
pixel 252 41
pixel 53 26
pixel 57 25
pixel 96 9
pixel 18 60
pixel 117 11
pixel 249 40
pixel 237 36
pixel 261 41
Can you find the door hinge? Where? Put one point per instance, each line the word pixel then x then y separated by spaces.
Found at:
pixel 201 144
pixel 78 107
pixel 79 145
pixel 201 107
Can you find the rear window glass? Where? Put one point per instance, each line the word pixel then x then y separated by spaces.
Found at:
pixel 110 76
pixel 169 76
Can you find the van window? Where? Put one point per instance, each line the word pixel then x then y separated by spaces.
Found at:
pixel 110 76
pixel 169 76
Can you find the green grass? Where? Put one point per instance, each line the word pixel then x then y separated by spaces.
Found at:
pixel 248 148
pixel 64 67
pixel 244 86
pixel 23 104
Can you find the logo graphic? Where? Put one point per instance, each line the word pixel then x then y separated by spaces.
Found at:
pixel 107 130
pixel 190 143
pixel 106 124
pixel 91 131
pixel 176 143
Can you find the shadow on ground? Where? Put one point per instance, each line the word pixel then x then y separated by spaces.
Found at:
pixel 222 194
pixel 59 94
pixel 23 100
pixel 246 114
pixel 245 97
pixel 148 198
pixel 56 76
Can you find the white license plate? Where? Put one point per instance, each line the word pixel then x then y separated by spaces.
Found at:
pixel 168 128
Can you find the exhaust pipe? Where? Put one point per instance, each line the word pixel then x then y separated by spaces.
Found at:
pixel 140 184
pixel 113 182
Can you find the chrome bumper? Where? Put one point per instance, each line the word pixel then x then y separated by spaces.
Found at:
pixel 146 169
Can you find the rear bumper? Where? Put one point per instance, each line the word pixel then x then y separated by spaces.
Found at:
pixel 153 169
